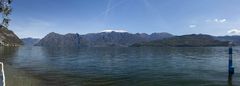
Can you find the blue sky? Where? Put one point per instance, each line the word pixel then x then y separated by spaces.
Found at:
pixel 36 18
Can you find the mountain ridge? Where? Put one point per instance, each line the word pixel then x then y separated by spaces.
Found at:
pixel 191 40
pixel 125 39
pixel 102 39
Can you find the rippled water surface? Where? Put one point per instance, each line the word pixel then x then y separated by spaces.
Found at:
pixel 144 66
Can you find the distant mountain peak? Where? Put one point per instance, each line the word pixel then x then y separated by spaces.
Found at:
pixel 53 33
pixel 30 41
pixel 120 31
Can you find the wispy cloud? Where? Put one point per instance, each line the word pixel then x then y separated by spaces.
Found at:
pixel 220 20
pixel 192 26
pixel 234 32
pixel 217 20
pixel 106 12
pixel 111 6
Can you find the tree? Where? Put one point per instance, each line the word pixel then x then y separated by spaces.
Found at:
pixel 6 10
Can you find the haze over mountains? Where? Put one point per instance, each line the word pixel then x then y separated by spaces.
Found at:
pixel 30 41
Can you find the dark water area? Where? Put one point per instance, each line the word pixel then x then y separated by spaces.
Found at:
pixel 146 66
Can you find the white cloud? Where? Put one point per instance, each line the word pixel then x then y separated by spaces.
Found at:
pixel 217 20
pixel 220 20
pixel 121 31
pixel 192 26
pixel 234 32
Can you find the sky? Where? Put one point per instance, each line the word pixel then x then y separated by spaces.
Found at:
pixel 37 18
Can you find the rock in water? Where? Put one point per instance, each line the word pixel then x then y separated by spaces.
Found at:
pixel 8 38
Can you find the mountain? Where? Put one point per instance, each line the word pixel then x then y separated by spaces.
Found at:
pixel 235 39
pixel 30 41
pixel 157 36
pixel 193 40
pixel 103 39
pixel 9 38
pixel 58 40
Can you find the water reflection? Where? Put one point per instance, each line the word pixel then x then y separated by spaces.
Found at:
pixel 230 80
pixel 15 77
pixel 7 52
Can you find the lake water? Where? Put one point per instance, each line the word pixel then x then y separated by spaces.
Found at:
pixel 144 66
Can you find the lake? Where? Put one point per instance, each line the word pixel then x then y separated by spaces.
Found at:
pixel 145 66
